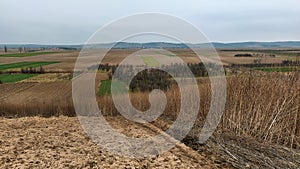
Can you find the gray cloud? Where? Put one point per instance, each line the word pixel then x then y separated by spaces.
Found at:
pixel 70 22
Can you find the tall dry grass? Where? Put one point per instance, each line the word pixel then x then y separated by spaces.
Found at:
pixel 265 106
pixel 260 105
pixel 60 107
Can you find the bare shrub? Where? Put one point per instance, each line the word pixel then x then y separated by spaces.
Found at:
pixel 264 106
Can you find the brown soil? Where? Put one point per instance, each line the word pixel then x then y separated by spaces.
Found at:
pixel 61 143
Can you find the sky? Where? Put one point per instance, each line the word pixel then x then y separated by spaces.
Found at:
pixel 74 21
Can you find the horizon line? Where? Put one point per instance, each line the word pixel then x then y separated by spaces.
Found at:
pixel 233 42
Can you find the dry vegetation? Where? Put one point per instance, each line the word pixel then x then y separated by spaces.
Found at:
pixel 264 106
pixel 260 126
pixel 49 77
pixel 36 99
pixel 262 109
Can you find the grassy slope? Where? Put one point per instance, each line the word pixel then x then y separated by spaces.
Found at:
pixel 105 87
pixel 11 78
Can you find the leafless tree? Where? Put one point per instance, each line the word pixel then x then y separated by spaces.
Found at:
pixel 5 49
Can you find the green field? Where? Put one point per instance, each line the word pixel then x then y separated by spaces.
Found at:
pixel 20 65
pixel 150 61
pixel 27 54
pixel 278 69
pixel 11 78
pixel 105 87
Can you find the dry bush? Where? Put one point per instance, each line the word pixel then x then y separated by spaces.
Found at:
pixel 264 106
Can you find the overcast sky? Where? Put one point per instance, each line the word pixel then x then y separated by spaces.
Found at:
pixel 74 21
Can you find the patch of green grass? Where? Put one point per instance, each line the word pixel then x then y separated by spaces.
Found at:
pixel 278 69
pixel 12 78
pixel 150 61
pixel 20 65
pixel 27 54
pixel 106 85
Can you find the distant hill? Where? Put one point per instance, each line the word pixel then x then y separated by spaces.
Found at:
pixel 126 45
pixel 287 44
pixel 39 46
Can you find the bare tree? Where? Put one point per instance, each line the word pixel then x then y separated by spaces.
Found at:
pixel 5 49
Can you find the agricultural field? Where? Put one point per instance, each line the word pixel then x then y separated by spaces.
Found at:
pixel 227 56
pixel 12 78
pixel 106 87
pixel 29 54
pixel 279 52
pixel 278 69
pixel 261 115
pixel 116 56
pixel 20 65
pixel 106 84
pixel 62 139
pixel 150 61
pixel 167 54
pixel 49 77
pixel 64 61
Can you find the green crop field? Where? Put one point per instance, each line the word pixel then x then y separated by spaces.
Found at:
pixel 27 54
pixel 150 61
pixel 11 78
pixel 20 65
pixel 105 87
pixel 278 69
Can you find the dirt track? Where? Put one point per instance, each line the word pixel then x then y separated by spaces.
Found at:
pixel 61 143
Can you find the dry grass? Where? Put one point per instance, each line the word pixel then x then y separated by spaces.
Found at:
pixel 263 106
pixel 49 77
pixel 51 108
pixel 36 99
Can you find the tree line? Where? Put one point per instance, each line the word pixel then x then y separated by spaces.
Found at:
pixel 177 69
pixel 148 79
pixel 31 70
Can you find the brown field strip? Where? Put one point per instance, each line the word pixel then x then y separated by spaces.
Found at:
pixel 61 143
